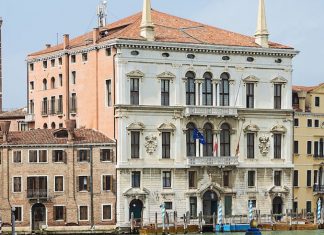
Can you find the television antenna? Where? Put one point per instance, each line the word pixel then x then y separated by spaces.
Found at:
pixel 102 13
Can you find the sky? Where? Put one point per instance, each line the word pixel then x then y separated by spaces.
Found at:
pixel 30 24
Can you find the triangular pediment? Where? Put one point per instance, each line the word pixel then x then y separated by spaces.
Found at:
pixel 136 192
pixel 279 129
pixel 167 127
pixel 279 80
pixel 251 79
pixel 136 126
pixel 251 128
pixel 135 74
pixel 166 75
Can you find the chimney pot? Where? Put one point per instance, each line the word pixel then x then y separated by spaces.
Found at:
pixel 5 126
pixel 48 45
pixel 66 41
pixel 95 35
pixel 70 127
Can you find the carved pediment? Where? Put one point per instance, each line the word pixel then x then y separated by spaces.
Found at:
pixel 167 127
pixel 251 128
pixel 279 80
pixel 251 79
pixel 133 192
pixel 135 74
pixel 136 126
pixel 278 190
pixel 210 186
pixel 279 129
pixel 166 75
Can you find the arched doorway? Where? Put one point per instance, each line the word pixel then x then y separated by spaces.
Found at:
pixel 136 207
pixel 209 206
pixel 277 206
pixel 38 216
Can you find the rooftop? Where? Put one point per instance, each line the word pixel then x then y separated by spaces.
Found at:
pixel 20 113
pixel 306 88
pixel 168 28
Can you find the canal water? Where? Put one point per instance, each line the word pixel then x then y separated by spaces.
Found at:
pixel 300 232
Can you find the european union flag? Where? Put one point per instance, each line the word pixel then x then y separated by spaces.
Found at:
pixel 199 136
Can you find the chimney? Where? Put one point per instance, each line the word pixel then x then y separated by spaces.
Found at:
pixel 5 126
pixel 48 45
pixel 70 126
pixel 147 27
pixel 66 41
pixel 302 100
pixel 262 34
pixel 95 35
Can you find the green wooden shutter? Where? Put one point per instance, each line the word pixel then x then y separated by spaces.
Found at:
pixel 228 205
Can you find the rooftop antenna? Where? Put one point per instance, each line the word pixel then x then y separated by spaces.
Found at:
pixel 102 13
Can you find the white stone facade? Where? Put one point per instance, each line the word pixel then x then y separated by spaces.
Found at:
pixel 151 119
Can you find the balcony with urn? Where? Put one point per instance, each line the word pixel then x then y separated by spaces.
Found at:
pixel 213 161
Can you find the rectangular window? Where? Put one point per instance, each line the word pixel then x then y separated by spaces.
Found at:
pixel 226 178
pixel 60 105
pixel 59 213
pixel 44 106
pixel 31 85
pixel 193 207
pixel 309 147
pixel 17 184
pixel 315 176
pixel 32 156
pixel 37 156
pixel 83 213
pixel 295 207
pixel 309 178
pixel 73 107
pixel 84 183
pixel 277 146
pixel 18 213
pixel 31 67
pixel 250 95
pixel 16 156
pixel 107 182
pixel 59 181
pixel 83 155
pixel 105 155
pixel 73 58
pixel 108 51
pixel 42 154
pixel 166 179
pixel 277 178
pixel 165 92
pixel 58 156
pixel 316 149
pixel 316 123
pixel 309 207
pixel 317 101
pixel 168 205
pixel 277 96
pixel 73 77
pixel 106 212
pixel 296 147
pixel 60 61
pixel 192 179
pixel 228 206
pixel 61 79
pixel 53 105
pixel 250 145
pixel 31 107
pixel 253 202
pixel 136 179
pixel 295 178
pixel 135 144
pixel 84 56
pixel 134 91
pixel 37 187
pixel 251 178
pixel 53 62
pixel 166 144
pixel 296 122
pixel 108 92
pixel 309 122
pixel 45 64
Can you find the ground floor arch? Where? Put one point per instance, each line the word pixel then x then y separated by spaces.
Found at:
pixel 38 216
pixel 210 205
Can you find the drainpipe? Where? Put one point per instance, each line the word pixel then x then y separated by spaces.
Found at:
pixel 91 188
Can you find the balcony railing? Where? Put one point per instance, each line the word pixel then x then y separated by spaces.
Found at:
pixel 36 193
pixel 212 161
pixel 211 111
pixel 318 188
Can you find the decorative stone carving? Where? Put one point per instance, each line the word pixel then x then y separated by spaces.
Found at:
pixel 137 126
pixel 251 79
pixel 279 80
pixel 279 129
pixel 151 144
pixel 167 127
pixel 166 75
pixel 264 145
pixel 251 128
pixel 136 74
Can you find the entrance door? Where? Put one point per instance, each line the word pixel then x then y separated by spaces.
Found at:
pixel 38 216
pixel 136 207
pixel 209 206
pixel 277 205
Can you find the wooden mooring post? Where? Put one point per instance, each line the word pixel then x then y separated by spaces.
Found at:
pixel 132 222
pixel 184 224
pixel 175 220
pixel 156 223
pixel 214 222
pixel 200 222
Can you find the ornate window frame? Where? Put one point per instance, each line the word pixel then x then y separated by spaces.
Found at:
pixel 135 74
pixel 136 126
pixel 166 127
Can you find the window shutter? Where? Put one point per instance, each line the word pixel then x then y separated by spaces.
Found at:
pixel 101 155
pixel 64 213
pixel 88 183
pixel 104 182
pixel 78 155
pixel 111 182
pixel 113 185
pixel 53 156
pixel 54 213
pixel 77 183
pixel 88 155
pixel 64 156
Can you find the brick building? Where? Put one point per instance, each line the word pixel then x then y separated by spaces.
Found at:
pixel 16 118
pixel 55 178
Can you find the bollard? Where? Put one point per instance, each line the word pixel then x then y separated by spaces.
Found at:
pixel 13 221
pixel 156 223
pixel 132 222
pixel 167 222
pixel 175 219
pixel 214 222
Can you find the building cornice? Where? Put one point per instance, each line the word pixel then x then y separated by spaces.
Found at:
pixel 26 146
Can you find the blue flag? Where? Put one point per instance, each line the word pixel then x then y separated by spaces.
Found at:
pixel 199 136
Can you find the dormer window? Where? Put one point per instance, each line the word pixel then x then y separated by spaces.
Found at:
pixel 61 134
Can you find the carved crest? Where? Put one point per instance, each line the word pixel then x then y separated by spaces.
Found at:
pixel 150 144
pixel 264 145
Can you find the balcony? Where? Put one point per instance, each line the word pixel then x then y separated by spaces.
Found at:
pixel 37 193
pixel 30 117
pixel 211 111
pixel 318 188
pixel 212 161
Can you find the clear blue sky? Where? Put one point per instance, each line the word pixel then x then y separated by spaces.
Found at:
pixel 30 24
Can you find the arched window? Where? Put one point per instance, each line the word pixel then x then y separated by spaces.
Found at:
pixel 225 140
pixel 224 90
pixel 45 126
pixel 207 90
pixel 190 89
pixel 191 142
pixel 53 125
pixel 44 84
pixel 52 82
pixel 208 134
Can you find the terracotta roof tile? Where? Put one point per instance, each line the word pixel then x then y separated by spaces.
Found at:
pixel 304 88
pixel 14 113
pixel 46 136
pixel 168 28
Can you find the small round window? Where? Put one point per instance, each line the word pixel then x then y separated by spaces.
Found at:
pixel 225 57
pixel 278 61
pixel 191 56
pixel 135 53
pixel 165 54
pixel 250 59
